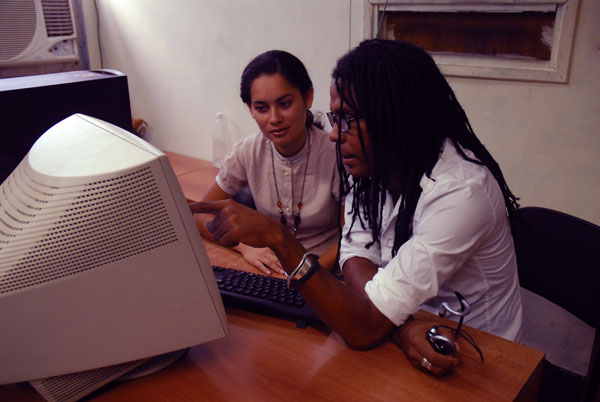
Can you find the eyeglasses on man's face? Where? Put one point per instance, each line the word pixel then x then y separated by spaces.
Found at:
pixel 342 122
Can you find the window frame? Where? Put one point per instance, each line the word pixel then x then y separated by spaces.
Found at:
pixel 554 70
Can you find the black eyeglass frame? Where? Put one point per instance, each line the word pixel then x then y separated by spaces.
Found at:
pixel 342 122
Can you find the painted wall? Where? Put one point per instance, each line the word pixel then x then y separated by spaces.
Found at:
pixel 184 61
pixel 546 137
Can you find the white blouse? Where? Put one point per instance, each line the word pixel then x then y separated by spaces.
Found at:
pixel 251 163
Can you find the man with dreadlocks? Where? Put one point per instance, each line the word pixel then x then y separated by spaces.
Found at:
pixel 427 211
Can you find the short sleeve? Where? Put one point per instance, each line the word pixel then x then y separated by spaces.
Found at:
pixel 232 176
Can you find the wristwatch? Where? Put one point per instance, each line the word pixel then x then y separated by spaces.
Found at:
pixel 307 266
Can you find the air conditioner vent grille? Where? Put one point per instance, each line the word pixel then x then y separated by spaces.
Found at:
pixel 17 27
pixel 99 223
pixel 57 14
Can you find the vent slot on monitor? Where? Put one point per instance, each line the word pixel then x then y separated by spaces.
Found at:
pixel 71 387
pixel 79 228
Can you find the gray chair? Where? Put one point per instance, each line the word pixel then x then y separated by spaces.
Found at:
pixel 558 258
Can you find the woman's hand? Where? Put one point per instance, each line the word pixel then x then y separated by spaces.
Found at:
pixel 262 258
pixel 234 224
pixel 411 338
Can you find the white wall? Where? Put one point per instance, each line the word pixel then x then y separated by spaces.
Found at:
pixel 546 137
pixel 184 59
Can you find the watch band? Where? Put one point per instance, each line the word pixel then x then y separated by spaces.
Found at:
pixel 307 266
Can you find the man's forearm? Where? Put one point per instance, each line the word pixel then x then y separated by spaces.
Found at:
pixel 357 272
pixel 347 312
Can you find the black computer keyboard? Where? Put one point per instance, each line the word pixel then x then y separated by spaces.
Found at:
pixel 263 294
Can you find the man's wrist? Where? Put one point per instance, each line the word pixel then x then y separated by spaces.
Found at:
pixel 307 266
pixel 286 247
pixel 398 335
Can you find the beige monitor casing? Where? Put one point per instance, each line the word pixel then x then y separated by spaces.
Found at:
pixel 100 260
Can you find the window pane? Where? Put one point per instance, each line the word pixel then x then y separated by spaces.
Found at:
pixel 525 34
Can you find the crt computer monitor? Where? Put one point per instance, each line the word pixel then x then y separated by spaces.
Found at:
pixel 101 263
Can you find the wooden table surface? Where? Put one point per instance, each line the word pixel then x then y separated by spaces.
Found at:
pixel 269 359
pixel 195 176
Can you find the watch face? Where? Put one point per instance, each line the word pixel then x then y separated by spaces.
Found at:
pixel 304 270
pixel 307 263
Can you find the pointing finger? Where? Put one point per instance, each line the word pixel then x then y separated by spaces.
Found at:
pixel 207 207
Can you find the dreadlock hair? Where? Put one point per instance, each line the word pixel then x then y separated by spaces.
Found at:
pixel 277 62
pixel 410 110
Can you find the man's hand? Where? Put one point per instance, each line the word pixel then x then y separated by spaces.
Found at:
pixel 235 223
pixel 410 337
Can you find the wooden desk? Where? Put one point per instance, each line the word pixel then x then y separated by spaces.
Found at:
pixel 268 359
pixel 249 365
pixel 194 175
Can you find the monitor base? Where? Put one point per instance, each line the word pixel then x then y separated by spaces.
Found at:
pixel 154 364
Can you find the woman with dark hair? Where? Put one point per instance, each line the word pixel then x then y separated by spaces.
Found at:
pixel 289 166
pixel 427 212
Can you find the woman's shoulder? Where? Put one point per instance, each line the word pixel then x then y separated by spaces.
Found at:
pixel 321 139
pixel 251 139
pixel 316 131
pixel 251 143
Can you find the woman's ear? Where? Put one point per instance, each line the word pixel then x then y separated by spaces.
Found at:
pixel 308 98
pixel 250 110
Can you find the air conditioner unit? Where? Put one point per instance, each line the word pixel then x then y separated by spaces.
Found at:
pixel 37 32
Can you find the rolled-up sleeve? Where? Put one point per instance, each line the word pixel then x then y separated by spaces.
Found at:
pixel 451 217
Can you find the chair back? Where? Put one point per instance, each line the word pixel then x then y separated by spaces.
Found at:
pixel 558 258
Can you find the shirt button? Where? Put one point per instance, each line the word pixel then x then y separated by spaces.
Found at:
pixel 287 209
pixel 286 173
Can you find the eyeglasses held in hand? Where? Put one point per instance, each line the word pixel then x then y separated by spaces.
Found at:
pixel 342 122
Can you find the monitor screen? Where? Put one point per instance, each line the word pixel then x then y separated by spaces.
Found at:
pixel 101 263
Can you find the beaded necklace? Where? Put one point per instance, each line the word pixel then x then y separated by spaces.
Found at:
pixel 296 213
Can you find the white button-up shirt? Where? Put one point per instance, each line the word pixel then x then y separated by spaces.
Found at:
pixel 461 242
